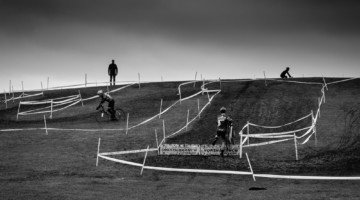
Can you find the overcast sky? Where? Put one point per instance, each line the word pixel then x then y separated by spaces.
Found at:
pixel 174 39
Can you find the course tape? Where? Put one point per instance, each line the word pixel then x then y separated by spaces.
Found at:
pixel 266 143
pixel 175 169
pixel 193 119
pixel 291 133
pixel 209 171
pixel 22 96
pixel 118 129
pixel 345 178
pixel 252 124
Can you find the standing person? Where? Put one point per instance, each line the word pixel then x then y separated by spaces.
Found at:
pixel 112 71
pixel 286 71
pixel 111 103
pixel 224 122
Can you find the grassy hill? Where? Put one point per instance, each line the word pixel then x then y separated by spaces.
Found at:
pixel 31 157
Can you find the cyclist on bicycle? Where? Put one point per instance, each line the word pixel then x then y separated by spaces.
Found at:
pixel 111 103
pixel 224 122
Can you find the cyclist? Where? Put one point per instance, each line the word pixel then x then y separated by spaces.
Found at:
pixel 285 72
pixel 223 123
pixel 111 103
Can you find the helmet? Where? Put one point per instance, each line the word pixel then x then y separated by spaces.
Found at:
pixel 100 92
pixel 222 109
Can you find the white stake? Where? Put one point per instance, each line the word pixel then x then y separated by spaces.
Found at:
pixel 42 89
pixel 220 83
pixel 142 168
pixel 5 100
pixel 241 145
pixel 296 151
pixel 252 172
pixel 51 111
pixel 17 116
pixel 22 85
pixel 127 123
pixel 248 132
pixel 187 119
pixel 315 135
pixel 82 103
pixel 160 108
pixel 45 125
pixel 97 155
pixel 164 130
pixel 157 141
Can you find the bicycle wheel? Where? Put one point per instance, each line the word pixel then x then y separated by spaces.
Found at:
pixel 120 114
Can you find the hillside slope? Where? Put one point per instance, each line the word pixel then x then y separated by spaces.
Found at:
pixel 336 148
pixel 337 140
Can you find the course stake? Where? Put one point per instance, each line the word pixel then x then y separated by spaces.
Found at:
pixel 157 141
pixel 142 168
pixel 161 103
pixel 164 130
pixel 97 155
pixel 252 172
pixel 45 125
pixel 295 143
pixel 127 123
pixel 241 145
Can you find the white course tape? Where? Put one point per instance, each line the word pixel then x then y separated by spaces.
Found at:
pixel 266 143
pixel 127 152
pixel 196 117
pixel 287 81
pixel 120 161
pixel 209 171
pixel 308 177
pixel 261 126
pixel 342 81
pixel 175 169
pixel 148 120
pixel 258 135
pixel 206 171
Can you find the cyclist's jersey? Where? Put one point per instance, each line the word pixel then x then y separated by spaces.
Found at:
pixel 223 122
pixel 106 97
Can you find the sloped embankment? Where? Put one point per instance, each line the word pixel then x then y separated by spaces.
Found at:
pixel 335 150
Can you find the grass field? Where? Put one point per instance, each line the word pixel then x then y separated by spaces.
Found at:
pixel 61 165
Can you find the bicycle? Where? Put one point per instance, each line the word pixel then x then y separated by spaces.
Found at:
pixel 120 114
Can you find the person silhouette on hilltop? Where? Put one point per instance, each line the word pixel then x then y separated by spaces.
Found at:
pixel 286 71
pixel 112 71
